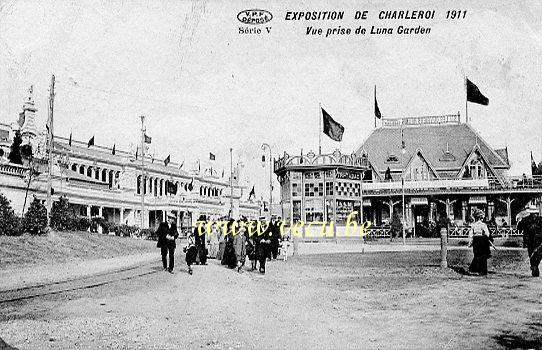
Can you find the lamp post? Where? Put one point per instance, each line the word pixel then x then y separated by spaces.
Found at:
pixel 264 146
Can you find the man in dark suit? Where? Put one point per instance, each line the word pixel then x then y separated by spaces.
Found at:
pixel 167 233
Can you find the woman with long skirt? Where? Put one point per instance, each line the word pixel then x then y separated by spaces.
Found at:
pixel 480 241
pixel 191 253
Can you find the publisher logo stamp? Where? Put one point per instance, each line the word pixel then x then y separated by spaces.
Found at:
pixel 252 21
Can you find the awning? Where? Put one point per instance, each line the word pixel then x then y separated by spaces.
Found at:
pixel 418 201
pixel 477 200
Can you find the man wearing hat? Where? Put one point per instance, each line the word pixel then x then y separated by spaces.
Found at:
pixel 531 227
pixel 167 233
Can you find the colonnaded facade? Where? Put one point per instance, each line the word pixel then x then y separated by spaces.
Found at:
pixel 100 183
pixel 448 170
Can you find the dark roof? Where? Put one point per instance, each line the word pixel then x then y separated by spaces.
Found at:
pixel 503 152
pixel 444 146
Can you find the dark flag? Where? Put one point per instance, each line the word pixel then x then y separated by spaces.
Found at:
pixel 70 141
pixel 331 128
pixel 90 142
pixel 474 95
pixel 534 168
pixel 377 110
pixel 222 173
pixel 113 150
pixel 167 160
pixel 137 151
pixel 252 193
pixel 211 156
pixel 148 139
pixel 180 167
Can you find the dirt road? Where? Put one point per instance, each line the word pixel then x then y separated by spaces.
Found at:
pixel 374 300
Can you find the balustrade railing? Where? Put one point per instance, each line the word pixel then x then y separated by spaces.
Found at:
pixel 499 231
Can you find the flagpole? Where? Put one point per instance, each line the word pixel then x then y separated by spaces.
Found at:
pixel 51 148
pixel 375 101
pixel 231 183
pixel 466 100
pixel 403 181
pixel 143 181
pixel 320 128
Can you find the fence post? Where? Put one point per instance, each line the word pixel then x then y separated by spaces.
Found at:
pixel 443 248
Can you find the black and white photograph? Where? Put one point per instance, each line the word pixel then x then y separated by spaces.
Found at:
pixel 211 174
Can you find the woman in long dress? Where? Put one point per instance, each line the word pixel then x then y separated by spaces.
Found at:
pixel 213 243
pixel 480 241
pixel 239 246
pixel 191 253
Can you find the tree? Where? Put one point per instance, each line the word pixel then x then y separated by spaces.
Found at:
pixel 9 222
pixel 62 216
pixel 35 218
pixel 26 151
pixel 15 154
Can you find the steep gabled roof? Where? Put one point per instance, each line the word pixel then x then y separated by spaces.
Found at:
pixel 433 139
pixel 419 152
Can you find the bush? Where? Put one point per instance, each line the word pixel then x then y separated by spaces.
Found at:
pixel 82 223
pixel 396 225
pixel 35 219
pixel 126 230
pixel 95 222
pixel 63 217
pixel 9 222
pixel 148 233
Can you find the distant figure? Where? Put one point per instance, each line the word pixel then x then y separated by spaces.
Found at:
pixel 284 248
pixel 228 257
pixel 251 251
pixel 263 248
pixel 239 246
pixel 213 242
pixel 531 227
pixel 167 233
pixel 480 241
pixel 191 253
pixel 199 240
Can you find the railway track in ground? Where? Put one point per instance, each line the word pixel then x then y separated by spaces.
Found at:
pixel 86 282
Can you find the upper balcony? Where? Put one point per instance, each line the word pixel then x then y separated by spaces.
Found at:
pixel 486 185
pixel 312 160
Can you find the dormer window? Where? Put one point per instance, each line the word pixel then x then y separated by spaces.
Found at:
pixel 392 158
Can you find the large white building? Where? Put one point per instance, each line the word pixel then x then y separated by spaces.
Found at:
pixel 100 183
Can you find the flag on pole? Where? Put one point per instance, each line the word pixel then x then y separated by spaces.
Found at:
pixel 252 193
pixel 534 168
pixel 474 95
pixel 377 110
pixel 147 138
pixel 222 173
pixel 181 166
pixel 70 141
pixel 331 128
pixel 211 156
pixel 167 160
pixel 90 142
pixel 137 151
pixel 199 166
pixel 113 150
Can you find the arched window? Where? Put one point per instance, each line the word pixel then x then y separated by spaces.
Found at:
pixel 74 167
pixel 477 169
pixel 82 170
pixel 89 171
pixel 139 184
pixel 104 175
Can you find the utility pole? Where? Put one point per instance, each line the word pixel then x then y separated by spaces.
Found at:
pixel 50 148
pixel 143 182
pixel 264 146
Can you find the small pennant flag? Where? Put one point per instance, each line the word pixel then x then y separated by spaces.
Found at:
pixel 167 160
pixel 331 128
pixel 222 173
pixel 137 151
pixel 70 141
pixel 474 95
pixel 148 139
pixel 181 166
pixel 211 156
pixel 90 142
pixel 252 193
pixel 377 110
pixel 113 150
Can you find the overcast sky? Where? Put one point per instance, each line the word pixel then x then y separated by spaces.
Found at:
pixel 205 88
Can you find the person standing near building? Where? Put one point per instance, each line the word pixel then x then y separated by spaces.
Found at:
pixel 191 252
pixel 167 233
pixel 199 239
pixel 263 247
pixel 531 228
pixel 480 241
pixel 239 246
pixel 213 242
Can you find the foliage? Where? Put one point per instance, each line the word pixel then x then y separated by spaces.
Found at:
pixel 82 223
pixel 396 225
pixel 15 154
pixel 126 230
pixel 63 217
pixel 26 151
pixel 9 222
pixel 35 219
pixel 148 233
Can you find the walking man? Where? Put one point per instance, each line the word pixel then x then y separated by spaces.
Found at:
pixel 167 233
pixel 531 227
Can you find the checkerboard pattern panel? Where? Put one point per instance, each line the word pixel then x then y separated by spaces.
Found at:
pixel 347 189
